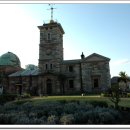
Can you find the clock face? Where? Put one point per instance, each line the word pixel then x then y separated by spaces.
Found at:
pixel 48 51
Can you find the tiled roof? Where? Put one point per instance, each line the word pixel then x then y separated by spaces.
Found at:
pixel 25 72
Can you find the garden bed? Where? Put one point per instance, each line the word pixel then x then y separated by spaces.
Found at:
pixel 59 112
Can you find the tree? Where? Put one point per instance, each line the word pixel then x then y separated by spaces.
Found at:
pixel 115 95
pixel 123 81
pixel 123 76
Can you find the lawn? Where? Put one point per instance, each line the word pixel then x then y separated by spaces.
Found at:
pixel 124 101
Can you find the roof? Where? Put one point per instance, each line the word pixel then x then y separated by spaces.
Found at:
pixel 93 57
pixel 76 61
pixel 96 57
pixel 10 59
pixel 25 72
pixel 52 24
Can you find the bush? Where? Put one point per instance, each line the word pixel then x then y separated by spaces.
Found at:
pixel 70 108
pixel 106 94
pixel 67 119
pixel 58 113
pixel 80 117
pixel 128 94
pixel 23 120
pixel 98 103
pixel 5 118
pixel 26 95
pixel 6 98
pixel 20 102
pixel 106 118
pixel 10 107
pixel 53 120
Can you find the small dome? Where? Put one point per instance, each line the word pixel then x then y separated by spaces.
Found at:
pixel 10 59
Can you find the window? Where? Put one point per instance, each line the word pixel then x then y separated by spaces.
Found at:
pixel 96 84
pixel 71 84
pixel 49 36
pixel 50 66
pixel 46 66
pixel 70 68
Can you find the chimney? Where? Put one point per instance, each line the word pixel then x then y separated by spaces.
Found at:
pixel 82 56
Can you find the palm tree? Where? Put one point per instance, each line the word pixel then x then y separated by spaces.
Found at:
pixel 123 76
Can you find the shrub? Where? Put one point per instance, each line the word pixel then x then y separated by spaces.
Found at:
pixel 115 113
pixel 105 94
pixel 97 115
pixel 85 106
pixel 35 121
pixel 57 113
pixel 62 101
pixel 5 118
pixel 10 107
pixel 23 120
pixel 26 95
pixel 106 118
pixel 53 120
pixel 70 108
pixel 80 117
pixel 43 120
pixel 67 119
pixel 59 109
pixel 98 103
pixel 102 95
pixel 115 95
pixel 27 107
pixel 20 102
pixel 32 115
pixel 6 98
pixel 128 94
pixel 52 113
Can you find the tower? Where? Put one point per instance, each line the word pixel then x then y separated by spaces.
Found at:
pixel 50 56
pixel 51 46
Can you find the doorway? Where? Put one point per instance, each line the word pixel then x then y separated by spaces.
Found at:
pixel 96 83
pixel 49 86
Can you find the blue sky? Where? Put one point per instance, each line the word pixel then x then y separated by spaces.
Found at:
pixel 89 28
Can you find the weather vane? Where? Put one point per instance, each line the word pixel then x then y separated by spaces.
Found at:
pixel 51 8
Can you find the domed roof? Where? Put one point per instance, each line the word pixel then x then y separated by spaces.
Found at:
pixel 10 59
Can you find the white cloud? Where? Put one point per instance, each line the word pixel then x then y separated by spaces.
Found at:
pixel 119 62
pixel 119 65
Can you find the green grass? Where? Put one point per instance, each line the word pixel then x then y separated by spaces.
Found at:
pixel 124 101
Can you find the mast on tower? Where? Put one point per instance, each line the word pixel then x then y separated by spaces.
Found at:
pixel 51 8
